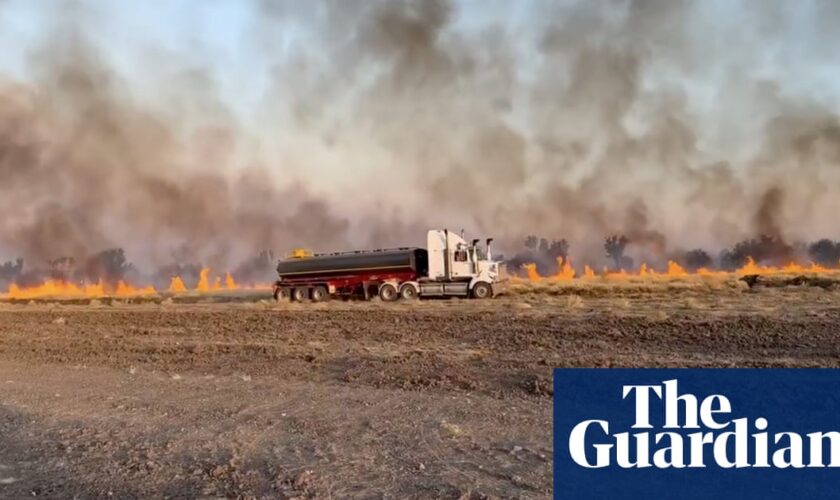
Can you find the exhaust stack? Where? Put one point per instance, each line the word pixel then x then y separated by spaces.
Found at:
pixel 447 266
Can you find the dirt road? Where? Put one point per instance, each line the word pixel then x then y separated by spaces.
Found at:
pixel 445 399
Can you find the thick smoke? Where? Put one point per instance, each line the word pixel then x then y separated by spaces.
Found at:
pixel 85 168
pixel 669 122
pixel 767 217
pixel 589 120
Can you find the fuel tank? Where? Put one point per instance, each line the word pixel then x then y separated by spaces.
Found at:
pixel 392 260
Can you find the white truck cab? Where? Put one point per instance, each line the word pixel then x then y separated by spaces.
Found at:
pixel 459 268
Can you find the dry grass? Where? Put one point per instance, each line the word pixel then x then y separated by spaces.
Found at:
pixel 574 301
pixel 630 286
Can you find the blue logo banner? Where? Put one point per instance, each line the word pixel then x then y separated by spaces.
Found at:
pixel 696 433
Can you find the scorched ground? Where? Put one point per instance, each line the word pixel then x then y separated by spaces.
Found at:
pixel 432 399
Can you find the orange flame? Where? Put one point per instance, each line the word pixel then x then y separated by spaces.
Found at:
pixel 792 267
pixel 533 275
pixel 673 270
pixel 125 290
pixel 566 271
pixel 57 288
pixel 203 284
pixel 176 285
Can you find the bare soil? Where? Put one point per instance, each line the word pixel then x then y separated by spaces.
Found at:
pixel 446 399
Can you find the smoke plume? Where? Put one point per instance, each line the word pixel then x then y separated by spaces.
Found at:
pixel 669 122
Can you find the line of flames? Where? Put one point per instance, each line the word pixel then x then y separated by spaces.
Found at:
pixel 566 272
pixel 58 288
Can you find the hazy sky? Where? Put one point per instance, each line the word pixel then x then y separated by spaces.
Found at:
pixel 216 34
pixel 220 34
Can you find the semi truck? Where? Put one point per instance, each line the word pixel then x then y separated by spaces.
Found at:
pixel 447 267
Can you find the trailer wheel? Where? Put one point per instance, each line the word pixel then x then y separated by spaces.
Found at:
pixel 282 294
pixel 408 291
pixel 300 294
pixel 482 290
pixel 388 292
pixel 319 294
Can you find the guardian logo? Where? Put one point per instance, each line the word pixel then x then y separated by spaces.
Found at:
pixel 697 433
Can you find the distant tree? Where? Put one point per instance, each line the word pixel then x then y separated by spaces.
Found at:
pixel 762 249
pixel 559 248
pixel 62 268
pixel 9 271
pixel 541 252
pixel 531 242
pixel 825 252
pixel 730 260
pixel 615 245
pixel 695 259
pixel 109 266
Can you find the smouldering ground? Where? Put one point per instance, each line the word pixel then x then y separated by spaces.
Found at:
pixel 445 399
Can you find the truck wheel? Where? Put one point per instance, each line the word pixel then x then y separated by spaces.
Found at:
pixel 388 292
pixel 282 294
pixel 482 290
pixel 408 291
pixel 300 294
pixel 320 294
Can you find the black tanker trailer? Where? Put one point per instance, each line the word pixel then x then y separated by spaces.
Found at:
pixel 347 273
pixel 448 267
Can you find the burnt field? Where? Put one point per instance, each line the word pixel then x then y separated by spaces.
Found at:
pixel 254 399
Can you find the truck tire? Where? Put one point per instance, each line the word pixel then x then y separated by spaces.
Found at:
pixel 409 291
pixel 482 290
pixel 319 294
pixel 300 294
pixel 388 292
pixel 282 294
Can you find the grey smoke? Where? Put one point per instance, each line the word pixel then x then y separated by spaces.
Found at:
pixel 668 121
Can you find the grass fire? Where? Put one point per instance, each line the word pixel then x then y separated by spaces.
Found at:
pixel 333 249
pixel 63 289
pixel 108 274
